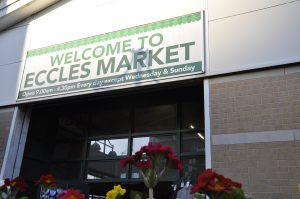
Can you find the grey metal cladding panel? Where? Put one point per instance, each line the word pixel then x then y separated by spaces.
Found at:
pixel 257 39
pixel 226 8
pixel 9 83
pixel 12 45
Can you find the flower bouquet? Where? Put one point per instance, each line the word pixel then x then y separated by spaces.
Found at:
pixel 11 188
pixel 152 161
pixel 216 186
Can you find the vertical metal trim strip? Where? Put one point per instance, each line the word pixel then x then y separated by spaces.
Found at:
pixel 208 163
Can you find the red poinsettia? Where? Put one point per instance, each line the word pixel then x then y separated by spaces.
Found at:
pixel 47 181
pixel 72 194
pixel 212 183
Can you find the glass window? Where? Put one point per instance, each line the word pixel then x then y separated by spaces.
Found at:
pixel 104 122
pixel 86 143
pixel 66 170
pixel 69 150
pixel 31 169
pixel 193 166
pixel 108 148
pixel 105 170
pixel 192 115
pixel 72 127
pixel 164 140
pixel 37 149
pixel 193 142
pixel 155 118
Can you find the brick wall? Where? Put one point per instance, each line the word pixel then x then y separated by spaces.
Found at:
pixel 259 104
pixel 6 115
pixel 268 170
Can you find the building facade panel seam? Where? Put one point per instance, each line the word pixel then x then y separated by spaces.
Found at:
pixel 256 137
pixel 253 11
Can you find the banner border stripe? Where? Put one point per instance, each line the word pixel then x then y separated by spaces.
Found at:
pixel 194 17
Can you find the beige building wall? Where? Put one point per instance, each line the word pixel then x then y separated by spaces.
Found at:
pixel 255 125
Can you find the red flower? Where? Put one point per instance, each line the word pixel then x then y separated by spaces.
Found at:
pixel 124 162
pixel 144 149
pixel 144 164
pixel 216 186
pixel 231 183
pixel 179 166
pixel 195 188
pixel 46 180
pixel 6 182
pixel 210 182
pixel 18 183
pixel 168 150
pixel 205 181
pixel 72 194
pixel 138 154
pixel 152 148
pixel 206 177
pixel 174 162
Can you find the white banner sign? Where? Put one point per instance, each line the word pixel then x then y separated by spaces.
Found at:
pixel 166 49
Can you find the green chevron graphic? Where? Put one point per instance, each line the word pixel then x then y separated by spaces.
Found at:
pixel 118 34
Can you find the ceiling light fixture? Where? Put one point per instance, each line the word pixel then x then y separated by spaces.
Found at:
pixel 201 136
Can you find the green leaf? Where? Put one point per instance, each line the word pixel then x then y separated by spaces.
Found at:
pixel 119 196
pixel 237 193
pixel 23 197
pixel 137 196
pixel 199 196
